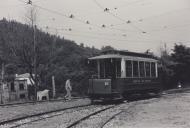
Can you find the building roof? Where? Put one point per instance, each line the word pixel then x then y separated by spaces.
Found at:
pixel 25 75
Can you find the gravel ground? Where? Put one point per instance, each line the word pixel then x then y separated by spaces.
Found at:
pixel 69 116
pixel 65 119
pixel 10 112
pixel 169 111
pixel 98 120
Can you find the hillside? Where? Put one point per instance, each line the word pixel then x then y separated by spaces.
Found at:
pixel 55 56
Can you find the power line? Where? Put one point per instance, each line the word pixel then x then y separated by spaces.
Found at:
pixel 169 28
pixel 153 16
pixel 72 17
pixel 87 32
pixel 115 8
pixel 125 40
pixel 61 14
pixel 95 35
pixel 117 17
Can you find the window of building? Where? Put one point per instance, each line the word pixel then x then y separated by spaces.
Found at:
pixel 135 69
pixel 142 71
pixel 147 67
pixel 12 86
pixel 21 86
pixel 128 66
pixel 153 69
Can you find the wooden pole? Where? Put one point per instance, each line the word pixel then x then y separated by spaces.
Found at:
pixel 53 86
pixel 35 59
pixel 2 80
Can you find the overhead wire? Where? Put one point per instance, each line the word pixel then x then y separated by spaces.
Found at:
pixel 95 36
pixel 72 17
pixel 61 14
pixel 116 7
pixel 87 32
pixel 125 40
pixel 117 17
pixel 153 16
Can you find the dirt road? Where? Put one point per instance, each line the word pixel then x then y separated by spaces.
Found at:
pixel 169 111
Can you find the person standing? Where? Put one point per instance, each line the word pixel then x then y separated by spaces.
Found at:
pixel 68 89
pixel 179 85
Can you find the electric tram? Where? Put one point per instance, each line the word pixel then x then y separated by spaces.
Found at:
pixel 121 73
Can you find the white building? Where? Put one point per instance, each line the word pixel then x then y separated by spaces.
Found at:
pixel 26 77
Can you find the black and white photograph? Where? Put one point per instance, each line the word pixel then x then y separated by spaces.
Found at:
pixel 94 64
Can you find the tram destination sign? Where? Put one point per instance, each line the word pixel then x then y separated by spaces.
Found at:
pixel 142 81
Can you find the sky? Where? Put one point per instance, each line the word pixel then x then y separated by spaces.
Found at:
pixel 134 25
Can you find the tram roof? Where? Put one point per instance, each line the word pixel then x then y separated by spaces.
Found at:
pixel 124 54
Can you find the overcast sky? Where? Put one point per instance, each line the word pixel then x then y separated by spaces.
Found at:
pixel 135 25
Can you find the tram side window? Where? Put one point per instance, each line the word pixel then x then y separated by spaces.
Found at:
pixel 153 69
pixel 142 71
pixel 128 65
pixel 135 69
pixel 147 67
pixel 108 69
pixel 118 68
pixel 102 69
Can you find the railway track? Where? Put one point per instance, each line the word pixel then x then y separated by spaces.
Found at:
pixel 17 122
pixel 88 116
pixel 107 117
pixel 31 119
pixel 110 118
pixel 35 118
pixel 101 117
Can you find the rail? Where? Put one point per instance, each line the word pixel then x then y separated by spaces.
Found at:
pixel 88 116
pixel 36 115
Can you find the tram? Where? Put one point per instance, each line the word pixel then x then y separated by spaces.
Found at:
pixel 121 73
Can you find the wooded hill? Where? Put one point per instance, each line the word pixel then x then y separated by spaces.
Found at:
pixel 56 56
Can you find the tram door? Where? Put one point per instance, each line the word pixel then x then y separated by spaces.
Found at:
pixel 110 69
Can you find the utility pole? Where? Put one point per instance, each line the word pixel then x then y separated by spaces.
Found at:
pixel 35 60
pixel 2 80
pixel 53 86
pixel 34 48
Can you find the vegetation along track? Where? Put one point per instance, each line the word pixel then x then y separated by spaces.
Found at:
pixel 13 123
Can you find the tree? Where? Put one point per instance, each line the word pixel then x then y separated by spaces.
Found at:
pixel 106 48
pixel 67 59
pixel 166 72
pixel 181 55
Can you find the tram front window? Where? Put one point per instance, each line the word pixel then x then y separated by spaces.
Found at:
pixel 110 68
